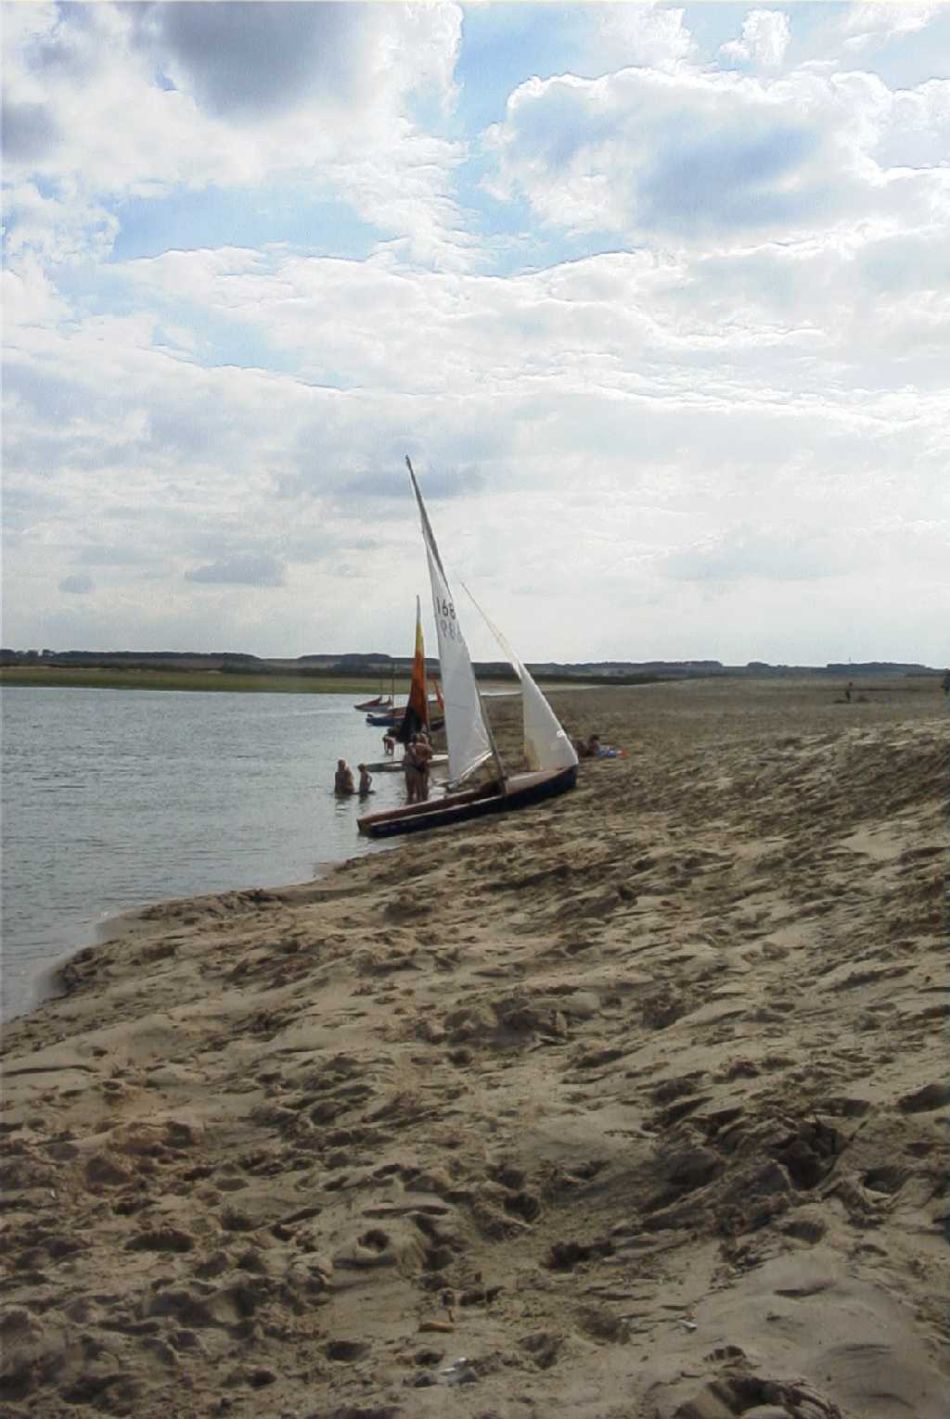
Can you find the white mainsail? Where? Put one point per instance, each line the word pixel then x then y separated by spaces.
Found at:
pixel 546 744
pixel 467 734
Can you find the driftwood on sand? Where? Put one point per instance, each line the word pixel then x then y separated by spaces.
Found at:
pixel 629 1105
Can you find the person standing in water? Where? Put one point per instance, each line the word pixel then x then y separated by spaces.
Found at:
pixel 366 780
pixel 423 760
pixel 343 781
pixel 416 768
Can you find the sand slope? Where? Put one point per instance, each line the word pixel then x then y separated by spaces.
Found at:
pixel 630 1105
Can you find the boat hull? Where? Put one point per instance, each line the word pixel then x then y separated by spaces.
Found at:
pixel 520 791
pixel 395 765
pixel 393 721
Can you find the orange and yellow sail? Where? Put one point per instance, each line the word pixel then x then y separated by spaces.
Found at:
pixel 416 715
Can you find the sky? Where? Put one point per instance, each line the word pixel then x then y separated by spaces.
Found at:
pixel 656 297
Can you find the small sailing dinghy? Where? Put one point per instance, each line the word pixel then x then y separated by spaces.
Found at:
pixel 377 705
pixel 479 782
pixel 421 711
pixel 416 713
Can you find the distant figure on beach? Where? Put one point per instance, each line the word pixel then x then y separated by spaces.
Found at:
pixel 343 781
pixel 366 780
pixel 945 685
pixel 593 749
pixel 389 745
pixel 847 693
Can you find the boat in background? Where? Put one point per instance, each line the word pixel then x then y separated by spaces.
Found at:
pixel 479 782
pixel 390 717
pixel 417 713
pixel 384 719
pixel 381 702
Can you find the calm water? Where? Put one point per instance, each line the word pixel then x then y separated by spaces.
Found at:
pixel 115 798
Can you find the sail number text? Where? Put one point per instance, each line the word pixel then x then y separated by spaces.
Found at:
pixel 445 615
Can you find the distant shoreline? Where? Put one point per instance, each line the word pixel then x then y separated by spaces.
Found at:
pixel 47 677
pixel 320 681
pixel 257 682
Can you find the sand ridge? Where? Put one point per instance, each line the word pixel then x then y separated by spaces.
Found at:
pixel 630 1105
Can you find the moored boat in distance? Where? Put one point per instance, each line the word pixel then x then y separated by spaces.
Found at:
pixel 479 783
pixel 380 703
pixel 393 714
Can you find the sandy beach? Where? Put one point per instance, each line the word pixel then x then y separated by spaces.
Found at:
pixel 633 1104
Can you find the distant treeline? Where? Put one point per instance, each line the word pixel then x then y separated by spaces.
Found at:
pixel 384 667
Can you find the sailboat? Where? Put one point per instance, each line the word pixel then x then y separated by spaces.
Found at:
pixel 421 710
pixel 380 702
pixel 480 783
pixel 417 712
pixel 415 715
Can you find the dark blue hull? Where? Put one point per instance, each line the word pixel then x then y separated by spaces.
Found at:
pixel 521 791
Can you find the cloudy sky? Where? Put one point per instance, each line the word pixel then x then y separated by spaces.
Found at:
pixel 657 298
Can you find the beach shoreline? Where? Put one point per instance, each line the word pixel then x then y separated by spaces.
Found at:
pixel 633 1101
pixel 49 979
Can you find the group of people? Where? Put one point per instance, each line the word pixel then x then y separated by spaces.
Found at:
pixel 343 781
pixel 416 764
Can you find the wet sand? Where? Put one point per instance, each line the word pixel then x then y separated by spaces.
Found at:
pixel 633 1104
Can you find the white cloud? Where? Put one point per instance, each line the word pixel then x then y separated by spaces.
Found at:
pixel 650 35
pixel 732 427
pixel 765 38
pixel 105 102
pixel 874 24
pixel 651 422
pixel 694 156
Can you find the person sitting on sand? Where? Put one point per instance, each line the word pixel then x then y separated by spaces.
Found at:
pixel 343 781
pixel 366 780
pixel 593 749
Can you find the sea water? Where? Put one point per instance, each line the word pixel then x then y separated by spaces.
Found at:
pixel 112 799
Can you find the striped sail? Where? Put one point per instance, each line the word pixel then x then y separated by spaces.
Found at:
pixel 416 713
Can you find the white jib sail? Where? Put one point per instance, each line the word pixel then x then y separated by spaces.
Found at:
pixel 466 732
pixel 546 744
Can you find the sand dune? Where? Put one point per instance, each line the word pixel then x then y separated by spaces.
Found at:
pixel 629 1105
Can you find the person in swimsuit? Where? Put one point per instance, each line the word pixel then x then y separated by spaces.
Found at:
pixel 366 780
pixel 423 760
pixel 343 780
pixel 416 768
